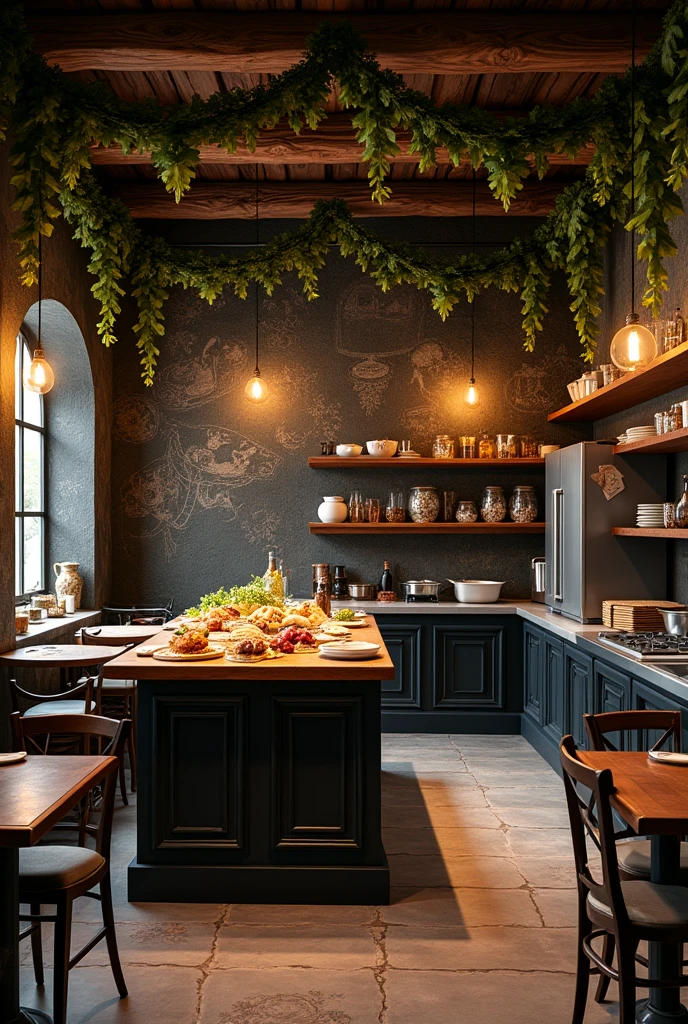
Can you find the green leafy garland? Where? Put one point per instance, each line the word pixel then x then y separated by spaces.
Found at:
pixel 55 121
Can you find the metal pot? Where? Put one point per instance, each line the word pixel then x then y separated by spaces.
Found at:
pixel 363 591
pixel 675 620
pixel 421 588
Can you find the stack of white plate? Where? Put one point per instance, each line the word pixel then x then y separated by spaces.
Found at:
pixel 408 455
pixel 349 650
pixel 650 515
pixel 638 433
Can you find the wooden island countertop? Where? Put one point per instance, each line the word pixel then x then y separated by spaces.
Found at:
pixel 289 667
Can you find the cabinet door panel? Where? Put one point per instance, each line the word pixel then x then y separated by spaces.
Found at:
pixel 555 710
pixel 468 667
pixel 404 646
pixel 316 772
pixel 644 698
pixel 579 689
pixel 191 744
pixel 613 691
pixel 532 672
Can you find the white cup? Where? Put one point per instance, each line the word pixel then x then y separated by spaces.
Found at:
pixel 70 602
pixel 684 411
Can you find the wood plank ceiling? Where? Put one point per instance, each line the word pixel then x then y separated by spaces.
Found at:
pixel 503 91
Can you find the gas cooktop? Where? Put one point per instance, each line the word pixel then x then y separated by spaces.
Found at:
pixel 655 647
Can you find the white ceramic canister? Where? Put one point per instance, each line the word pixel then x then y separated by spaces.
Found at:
pixel 333 510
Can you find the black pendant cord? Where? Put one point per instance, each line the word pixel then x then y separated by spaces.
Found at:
pixel 40 285
pixel 472 380
pixel 633 255
pixel 257 369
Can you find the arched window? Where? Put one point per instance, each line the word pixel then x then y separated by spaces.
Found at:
pixel 30 489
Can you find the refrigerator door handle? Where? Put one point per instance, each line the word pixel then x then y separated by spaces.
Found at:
pixel 557 495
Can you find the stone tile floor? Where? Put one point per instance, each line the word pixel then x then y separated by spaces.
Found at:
pixel 480 928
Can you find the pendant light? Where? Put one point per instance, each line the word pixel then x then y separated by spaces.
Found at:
pixel 472 397
pixel 38 376
pixel 633 346
pixel 256 389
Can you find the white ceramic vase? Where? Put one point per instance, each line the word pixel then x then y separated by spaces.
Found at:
pixel 333 510
pixel 68 581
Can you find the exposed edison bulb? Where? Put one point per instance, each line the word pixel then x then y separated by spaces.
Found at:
pixel 472 397
pixel 39 376
pixel 256 390
pixel 633 346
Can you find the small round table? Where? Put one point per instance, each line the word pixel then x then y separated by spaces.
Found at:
pixel 59 656
pixel 131 634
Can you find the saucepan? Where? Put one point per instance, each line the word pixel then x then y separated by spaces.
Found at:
pixel 675 620
pixel 477 591
pixel 421 588
pixel 363 591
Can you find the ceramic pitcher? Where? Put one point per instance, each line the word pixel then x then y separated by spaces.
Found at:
pixel 68 581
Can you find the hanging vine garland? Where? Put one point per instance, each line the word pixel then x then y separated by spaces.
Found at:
pixel 55 121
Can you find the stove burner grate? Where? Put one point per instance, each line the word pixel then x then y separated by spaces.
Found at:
pixel 651 643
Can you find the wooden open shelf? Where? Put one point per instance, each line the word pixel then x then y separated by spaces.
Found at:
pixel 676 441
pixel 665 373
pixel 362 529
pixel 660 532
pixel 370 462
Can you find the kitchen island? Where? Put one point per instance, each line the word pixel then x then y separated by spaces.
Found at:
pixel 259 783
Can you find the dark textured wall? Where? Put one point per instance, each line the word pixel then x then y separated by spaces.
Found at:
pixel 204 482
pixel 616 306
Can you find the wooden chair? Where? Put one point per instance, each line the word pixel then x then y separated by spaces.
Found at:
pixel 57 875
pixel 630 911
pixel 120 690
pixel 137 614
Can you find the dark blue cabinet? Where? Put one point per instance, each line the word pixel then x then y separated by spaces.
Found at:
pixel 533 648
pixel 579 691
pixel 554 705
pixel 404 645
pixel 468 667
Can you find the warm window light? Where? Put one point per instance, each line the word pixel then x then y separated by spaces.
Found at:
pixel 633 346
pixel 256 390
pixel 472 397
pixel 39 376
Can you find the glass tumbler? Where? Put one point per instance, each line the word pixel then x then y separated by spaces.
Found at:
pixel 443 447
pixel 506 446
pixel 529 448
pixel 395 509
pixel 669 514
pixel 467 448
pixel 448 505
pixel 487 449
pixel 659 422
pixel 372 510
pixel 356 509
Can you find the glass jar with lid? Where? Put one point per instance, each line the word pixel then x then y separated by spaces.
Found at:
pixel 424 504
pixel 443 447
pixel 487 449
pixel 466 512
pixel 493 505
pixel 523 506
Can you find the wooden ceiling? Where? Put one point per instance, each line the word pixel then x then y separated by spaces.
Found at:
pixel 503 73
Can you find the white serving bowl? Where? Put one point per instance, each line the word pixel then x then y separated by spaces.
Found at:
pixel 349 451
pixel 477 591
pixel 382 449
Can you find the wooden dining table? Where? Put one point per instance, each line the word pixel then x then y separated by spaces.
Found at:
pixel 653 799
pixel 34 795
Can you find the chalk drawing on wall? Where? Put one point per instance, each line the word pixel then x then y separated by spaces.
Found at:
pixel 311 415
pixel 136 419
pixel 286 1008
pixel 261 526
pixel 536 387
pixel 197 379
pixel 201 469
pixel 434 370
pixel 371 380
pixel 280 324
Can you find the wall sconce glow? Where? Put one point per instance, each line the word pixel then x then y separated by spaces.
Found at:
pixel 472 397
pixel 256 390
pixel 633 346
pixel 39 376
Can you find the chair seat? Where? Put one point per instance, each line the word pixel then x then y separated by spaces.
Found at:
pixel 648 905
pixel 634 858
pixel 118 684
pixel 44 868
pixel 59 707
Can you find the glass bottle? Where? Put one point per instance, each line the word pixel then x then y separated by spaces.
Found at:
pixel 356 509
pixel 273 578
pixel 386 580
pixel 322 595
pixel 681 513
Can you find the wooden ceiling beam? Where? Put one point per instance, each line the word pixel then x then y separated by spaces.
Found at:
pixel 455 42
pixel 295 199
pixel 333 143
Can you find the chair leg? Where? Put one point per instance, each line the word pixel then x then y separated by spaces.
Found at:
pixel 608 948
pixel 63 937
pixel 111 935
pixel 625 958
pixel 582 966
pixel 37 947
pixel 123 783
pixel 133 738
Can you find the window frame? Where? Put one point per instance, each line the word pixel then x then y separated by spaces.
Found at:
pixel 21 514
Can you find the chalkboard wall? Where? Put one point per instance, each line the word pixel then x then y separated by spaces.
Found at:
pixel 204 483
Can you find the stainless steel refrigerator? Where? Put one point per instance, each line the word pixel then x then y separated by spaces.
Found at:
pixel 585 563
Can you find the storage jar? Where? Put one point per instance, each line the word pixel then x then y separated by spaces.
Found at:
pixel 523 507
pixel 493 505
pixel 424 504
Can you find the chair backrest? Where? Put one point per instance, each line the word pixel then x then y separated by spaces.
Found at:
pixel 600 727
pixel 137 615
pixel 85 727
pixel 82 691
pixel 590 814
pixel 92 638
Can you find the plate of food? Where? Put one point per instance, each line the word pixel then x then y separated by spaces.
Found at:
pixel 168 654
pixel 251 649
pixel 294 640
pixel 335 630
pixel 189 645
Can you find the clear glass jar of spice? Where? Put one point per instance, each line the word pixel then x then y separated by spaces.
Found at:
pixel 523 506
pixel 493 505
pixel 424 504
pixel 443 447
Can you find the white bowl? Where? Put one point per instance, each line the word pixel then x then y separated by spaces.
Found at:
pixel 477 591
pixel 348 451
pixel 382 449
